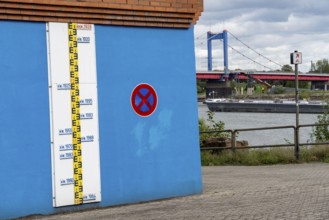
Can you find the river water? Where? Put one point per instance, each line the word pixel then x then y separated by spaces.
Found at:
pixel 237 120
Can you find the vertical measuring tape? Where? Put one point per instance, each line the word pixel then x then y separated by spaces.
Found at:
pixel 75 113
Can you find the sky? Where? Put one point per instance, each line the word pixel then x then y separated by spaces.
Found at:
pixel 273 28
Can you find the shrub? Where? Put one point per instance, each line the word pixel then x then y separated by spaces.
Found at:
pixel 279 90
pixel 211 125
pixel 305 94
pixel 321 132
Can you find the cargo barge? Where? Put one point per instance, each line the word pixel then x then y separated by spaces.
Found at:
pixel 270 106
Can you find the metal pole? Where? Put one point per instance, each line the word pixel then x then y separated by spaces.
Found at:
pixel 297 113
pixel 209 35
pixel 225 49
pixel 233 139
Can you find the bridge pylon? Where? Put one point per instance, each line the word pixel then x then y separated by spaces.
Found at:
pixel 219 36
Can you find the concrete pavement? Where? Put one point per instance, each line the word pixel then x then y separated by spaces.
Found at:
pixel 294 191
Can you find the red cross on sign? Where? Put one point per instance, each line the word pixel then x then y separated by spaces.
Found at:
pixel 144 99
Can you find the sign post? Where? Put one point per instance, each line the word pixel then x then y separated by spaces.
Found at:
pixel 296 58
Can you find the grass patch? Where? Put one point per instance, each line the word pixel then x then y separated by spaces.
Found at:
pixel 253 157
pixel 317 153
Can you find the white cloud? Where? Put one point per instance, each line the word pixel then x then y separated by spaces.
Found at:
pixel 273 28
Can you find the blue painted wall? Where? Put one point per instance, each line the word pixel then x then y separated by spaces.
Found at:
pixel 25 168
pixel 157 156
pixel 141 158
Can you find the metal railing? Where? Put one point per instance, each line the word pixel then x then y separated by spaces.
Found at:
pixel 296 143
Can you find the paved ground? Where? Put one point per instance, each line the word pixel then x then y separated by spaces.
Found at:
pixel 237 192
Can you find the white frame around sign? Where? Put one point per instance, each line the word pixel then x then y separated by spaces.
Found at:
pixel 296 58
pixel 60 114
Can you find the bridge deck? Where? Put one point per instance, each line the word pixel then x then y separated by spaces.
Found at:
pixel 266 76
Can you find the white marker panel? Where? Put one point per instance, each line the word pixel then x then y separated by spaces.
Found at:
pixel 74 114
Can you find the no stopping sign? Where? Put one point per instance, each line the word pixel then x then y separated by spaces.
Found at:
pixel 144 99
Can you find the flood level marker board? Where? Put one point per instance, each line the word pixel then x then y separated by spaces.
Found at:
pixel 74 113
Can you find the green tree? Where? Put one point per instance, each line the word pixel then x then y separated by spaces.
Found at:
pixel 286 68
pixel 322 66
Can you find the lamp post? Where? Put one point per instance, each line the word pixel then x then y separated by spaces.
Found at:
pixel 296 58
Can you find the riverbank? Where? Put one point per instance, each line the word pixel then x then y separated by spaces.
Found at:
pixel 267 156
